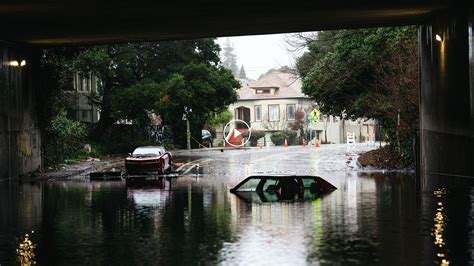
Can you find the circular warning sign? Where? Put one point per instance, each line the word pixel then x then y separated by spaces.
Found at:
pixel 234 133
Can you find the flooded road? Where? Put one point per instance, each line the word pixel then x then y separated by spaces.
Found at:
pixel 372 218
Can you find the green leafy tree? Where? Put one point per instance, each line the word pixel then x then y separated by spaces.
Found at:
pixel 205 89
pixel 61 138
pixel 220 119
pixel 56 74
pixel 370 73
pixel 137 102
pixel 113 65
pixel 160 77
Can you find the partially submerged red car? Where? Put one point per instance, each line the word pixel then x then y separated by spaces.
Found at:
pixel 148 160
pixel 282 187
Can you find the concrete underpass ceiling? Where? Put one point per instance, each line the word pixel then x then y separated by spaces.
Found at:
pixel 85 22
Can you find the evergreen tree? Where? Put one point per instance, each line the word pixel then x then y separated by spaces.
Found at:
pixel 229 58
pixel 242 74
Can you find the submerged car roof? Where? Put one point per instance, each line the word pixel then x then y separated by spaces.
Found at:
pixel 326 185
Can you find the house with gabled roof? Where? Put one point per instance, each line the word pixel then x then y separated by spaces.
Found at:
pixel 275 101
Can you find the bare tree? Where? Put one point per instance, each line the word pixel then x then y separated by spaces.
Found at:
pixel 275 125
pixel 298 42
pixel 398 79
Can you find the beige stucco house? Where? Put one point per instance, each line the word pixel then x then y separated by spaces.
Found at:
pixel 80 103
pixel 275 101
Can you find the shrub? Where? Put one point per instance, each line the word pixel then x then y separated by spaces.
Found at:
pixel 64 140
pixel 254 136
pixel 278 138
pixel 291 137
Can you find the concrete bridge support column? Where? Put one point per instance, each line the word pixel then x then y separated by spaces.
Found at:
pixel 20 138
pixel 447 98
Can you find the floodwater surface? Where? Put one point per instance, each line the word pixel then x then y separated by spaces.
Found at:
pixel 372 218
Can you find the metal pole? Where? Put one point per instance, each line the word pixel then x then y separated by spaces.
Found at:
pixel 310 132
pixel 343 130
pixel 188 134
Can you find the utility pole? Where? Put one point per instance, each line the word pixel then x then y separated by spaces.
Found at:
pixel 188 134
pixel 187 111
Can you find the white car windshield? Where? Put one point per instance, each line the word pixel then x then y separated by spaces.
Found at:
pixel 148 151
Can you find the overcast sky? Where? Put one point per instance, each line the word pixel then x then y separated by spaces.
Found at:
pixel 259 53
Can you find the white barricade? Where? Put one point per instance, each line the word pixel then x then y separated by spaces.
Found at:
pixel 350 138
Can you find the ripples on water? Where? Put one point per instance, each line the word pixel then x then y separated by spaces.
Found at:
pixel 370 219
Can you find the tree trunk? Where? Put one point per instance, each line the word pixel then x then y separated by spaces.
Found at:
pixel 106 120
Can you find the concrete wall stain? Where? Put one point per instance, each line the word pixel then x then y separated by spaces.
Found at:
pixel 20 137
pixel 24 144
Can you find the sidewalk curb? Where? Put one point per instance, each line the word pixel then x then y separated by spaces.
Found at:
pixel 80 173
pixel 209 149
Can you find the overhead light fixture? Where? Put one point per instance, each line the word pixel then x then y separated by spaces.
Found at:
pixel 438 38
pixel 15 63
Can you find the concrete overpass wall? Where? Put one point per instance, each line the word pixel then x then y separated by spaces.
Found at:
pixel 20 138
pixel 447 95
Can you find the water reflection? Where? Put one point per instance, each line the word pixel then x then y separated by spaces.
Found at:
pixel 440 223
pixel 370 218
pixel 26 252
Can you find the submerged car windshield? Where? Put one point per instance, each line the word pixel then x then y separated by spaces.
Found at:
pixel 146 152
pixel 273 188
pixel 267 183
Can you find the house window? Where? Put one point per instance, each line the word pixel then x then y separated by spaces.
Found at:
pixel 290 111
pixel 84 84
pixel 258 112
pixel 274 112
pixel 262 91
